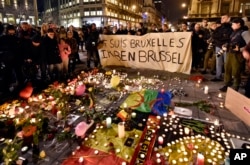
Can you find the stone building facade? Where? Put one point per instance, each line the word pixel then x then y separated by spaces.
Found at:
pixel 16 11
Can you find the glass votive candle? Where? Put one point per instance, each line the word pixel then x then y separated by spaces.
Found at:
pixel 133 114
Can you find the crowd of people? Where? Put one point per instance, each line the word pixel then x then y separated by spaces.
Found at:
pixel 50 53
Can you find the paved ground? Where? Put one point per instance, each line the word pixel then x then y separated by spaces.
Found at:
pixel 194 93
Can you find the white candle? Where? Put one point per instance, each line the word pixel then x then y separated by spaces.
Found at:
pixel 133 114
pixel 59 115
pixel 200 159
pixel 186 130
pixel 81 159
pixel 160 140
pixel 206 89
pixel 121 129
pixel 108 122
pixel 125 105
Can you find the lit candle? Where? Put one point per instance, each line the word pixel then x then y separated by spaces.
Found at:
pixel 133 114
pixel 220 95
pixel 126 87
pixel 160 140
pixel 216 123
pixel 125 105
pixel 121 129
pixel 59 115
pixel 186 130
pixel 206 89
pixel 221 105
pixel 114 71
pixel 200 159
pixel 81 159
pixel 108 122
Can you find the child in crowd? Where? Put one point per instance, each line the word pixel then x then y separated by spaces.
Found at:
pixel 65 51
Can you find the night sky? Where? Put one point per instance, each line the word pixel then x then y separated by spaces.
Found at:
pixel 173 10
pixel 40 5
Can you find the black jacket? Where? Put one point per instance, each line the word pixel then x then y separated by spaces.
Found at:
pixel 50 50
pixel 9 49
pixel 222 34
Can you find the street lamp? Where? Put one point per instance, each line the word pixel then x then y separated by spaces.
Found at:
pixel 183 5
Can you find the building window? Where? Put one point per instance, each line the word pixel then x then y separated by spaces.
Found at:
pixel 99 12
pixel 205 9
pixel 86 13
pixel 225 8
pixel 92 13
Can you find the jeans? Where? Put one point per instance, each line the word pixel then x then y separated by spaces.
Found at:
pixel 219 62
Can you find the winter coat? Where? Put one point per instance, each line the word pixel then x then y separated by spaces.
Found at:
pixel 50 50
pixel 222 34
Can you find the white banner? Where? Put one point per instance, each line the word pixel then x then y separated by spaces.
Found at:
pixel 159 51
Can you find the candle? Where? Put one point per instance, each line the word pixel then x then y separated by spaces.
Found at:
pixel 206 89
pixel 200 159
pixel 125 105
pixel 216 122
pixel 81 159
pixel 140 87
pixel 186 130
pixel 160 140
pixel 59 115
pixel 220 95
pixel 108 122
pixel 221 105
pixel 126 87
pixel 133 114
pixel 114 71
pixel 121 129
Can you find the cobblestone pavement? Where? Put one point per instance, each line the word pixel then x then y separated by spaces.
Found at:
pixel 192 92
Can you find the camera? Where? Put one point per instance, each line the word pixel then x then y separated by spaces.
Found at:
pixel 220 52
pixel 210 45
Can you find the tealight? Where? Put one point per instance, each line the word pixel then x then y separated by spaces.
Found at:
pixel 142 156
pixel 96 152
pixel 174 161
pixel 117 150
pixel 81 159
pixel 158 160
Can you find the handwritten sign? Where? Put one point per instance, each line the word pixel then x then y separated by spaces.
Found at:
pixel 238 104
pixel 159 51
